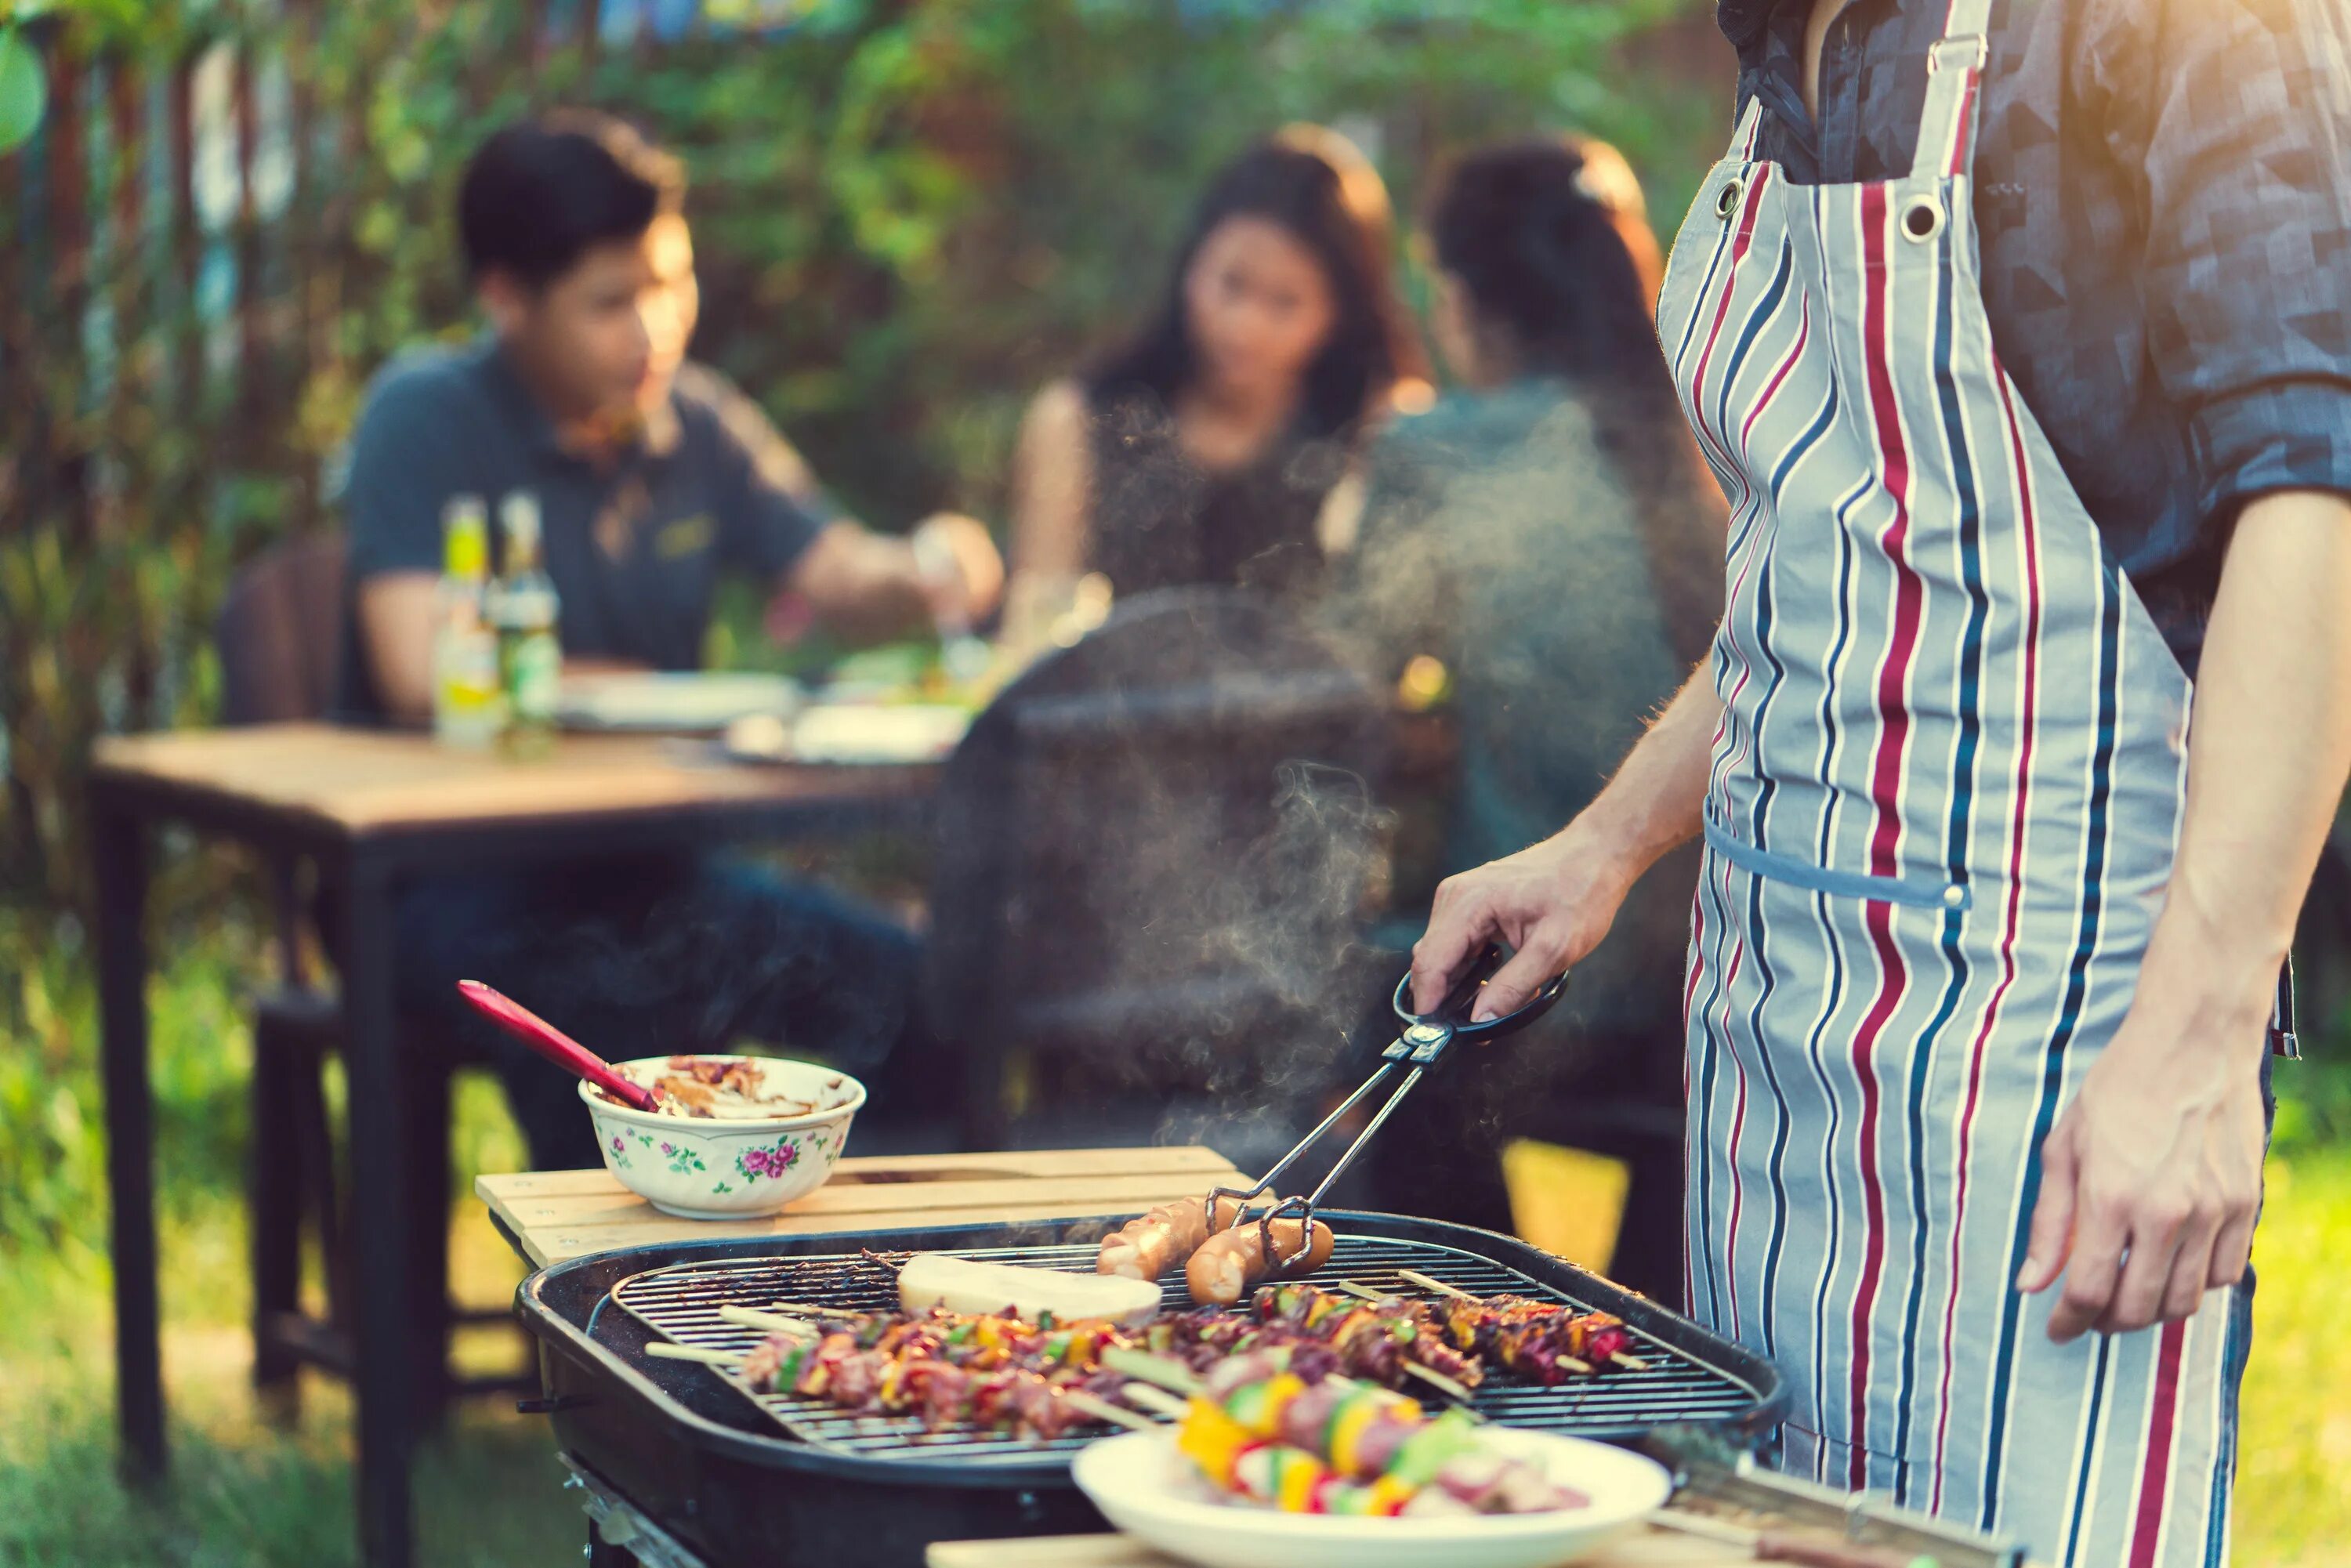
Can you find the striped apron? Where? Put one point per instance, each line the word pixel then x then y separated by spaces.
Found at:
pixel 1940 821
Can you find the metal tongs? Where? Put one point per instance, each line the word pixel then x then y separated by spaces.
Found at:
pixel 1424 1042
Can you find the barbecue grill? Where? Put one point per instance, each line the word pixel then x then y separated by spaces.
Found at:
pixel 776 1480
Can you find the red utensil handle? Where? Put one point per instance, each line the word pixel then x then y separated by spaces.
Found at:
pixel 554 1045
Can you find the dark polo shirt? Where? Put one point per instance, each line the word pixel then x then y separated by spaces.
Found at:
pixel 634 544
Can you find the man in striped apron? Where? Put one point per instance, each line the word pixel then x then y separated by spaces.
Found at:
pixel 1986 954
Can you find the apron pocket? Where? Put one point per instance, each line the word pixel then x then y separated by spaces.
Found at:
pixel 1918 893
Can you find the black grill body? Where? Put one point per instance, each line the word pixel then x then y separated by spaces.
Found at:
pixel 781 1482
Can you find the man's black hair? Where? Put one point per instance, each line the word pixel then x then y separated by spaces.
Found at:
pixel 542 192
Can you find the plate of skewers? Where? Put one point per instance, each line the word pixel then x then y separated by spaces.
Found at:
pixel 1263 1471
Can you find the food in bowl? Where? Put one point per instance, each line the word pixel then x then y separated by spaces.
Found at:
pixel 729 1088
pixel 789 1123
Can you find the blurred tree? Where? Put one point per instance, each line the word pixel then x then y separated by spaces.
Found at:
pixel 910 215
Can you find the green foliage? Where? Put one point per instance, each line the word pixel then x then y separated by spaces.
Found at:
pixel 908 218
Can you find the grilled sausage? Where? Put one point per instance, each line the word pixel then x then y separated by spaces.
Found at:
pixel 1147 1247
pixel 1230 1262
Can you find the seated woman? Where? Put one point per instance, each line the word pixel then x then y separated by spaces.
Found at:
pixel 1547 534
pixel 1207 449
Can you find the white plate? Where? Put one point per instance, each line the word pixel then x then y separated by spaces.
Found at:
pixel 673 700
pixel 1149 1490
pixel 879 733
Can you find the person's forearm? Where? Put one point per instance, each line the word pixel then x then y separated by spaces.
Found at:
pixel 1656 799
pixel 2269 750
pixel 863 586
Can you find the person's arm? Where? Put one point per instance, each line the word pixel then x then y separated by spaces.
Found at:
pixel 1553 903
pixel 407 459
pixel 867 587
pixel 2151 1179
pixel 777 522
pixel 1053 487
pixel 2240 119
pixel 395 613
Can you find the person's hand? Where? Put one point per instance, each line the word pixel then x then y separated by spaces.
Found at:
pixel 2151 1179
pixel 961 572
pixel 1553 903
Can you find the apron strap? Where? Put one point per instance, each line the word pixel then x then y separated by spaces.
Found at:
pixel 1954 67
pixel 1751 126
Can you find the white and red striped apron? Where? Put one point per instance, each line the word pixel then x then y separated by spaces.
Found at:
pixel 1943 806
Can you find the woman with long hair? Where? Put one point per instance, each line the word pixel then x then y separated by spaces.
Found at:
pixel 1547 534
pixel 1206 448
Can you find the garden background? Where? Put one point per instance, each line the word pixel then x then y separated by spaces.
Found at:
pixel 908 216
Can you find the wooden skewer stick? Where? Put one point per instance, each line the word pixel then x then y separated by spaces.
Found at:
pixel 1154 1398
pixel 663 1350
pixel 1102 1409
pixel 1415 1276
pixel 1357 1288
pixel 1438 1381
pixel 1630 1363
pixel 771 1322
pixel 1171 1376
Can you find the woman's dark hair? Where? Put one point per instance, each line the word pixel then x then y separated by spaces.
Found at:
pixel 542 192
pixel 1550 241
pixel 1537 233
pixel 1319 188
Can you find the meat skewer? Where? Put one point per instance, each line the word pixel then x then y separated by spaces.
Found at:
pixel 974 1372
pixel 1257 1428
pixel 1546 1342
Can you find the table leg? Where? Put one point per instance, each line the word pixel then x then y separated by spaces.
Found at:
pixel 119 858
pixel 385 1349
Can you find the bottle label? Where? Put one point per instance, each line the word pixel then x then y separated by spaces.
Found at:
pixel 468 707
pixel 534 678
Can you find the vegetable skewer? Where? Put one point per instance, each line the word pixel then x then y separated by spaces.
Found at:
pixel 1255 1427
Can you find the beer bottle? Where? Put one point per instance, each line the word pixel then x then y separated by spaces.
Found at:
pixel 468 705
pixel 524 608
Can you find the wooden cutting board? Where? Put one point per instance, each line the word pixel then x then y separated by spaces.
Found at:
pixel 553 1216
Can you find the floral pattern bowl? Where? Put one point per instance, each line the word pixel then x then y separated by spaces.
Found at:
pixel 708 1168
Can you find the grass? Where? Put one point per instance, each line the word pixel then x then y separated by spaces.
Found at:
pixel 247 1490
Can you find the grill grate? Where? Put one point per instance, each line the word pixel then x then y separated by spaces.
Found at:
pixel 680 1302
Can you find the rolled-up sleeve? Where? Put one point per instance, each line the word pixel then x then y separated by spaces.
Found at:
pixel 2239 111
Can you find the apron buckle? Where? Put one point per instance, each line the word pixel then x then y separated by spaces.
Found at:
pixel 1968 52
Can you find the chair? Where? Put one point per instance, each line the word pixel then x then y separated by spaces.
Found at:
pixel 1152 852
pixel 279 636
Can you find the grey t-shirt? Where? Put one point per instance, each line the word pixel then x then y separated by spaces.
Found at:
pixel 634 546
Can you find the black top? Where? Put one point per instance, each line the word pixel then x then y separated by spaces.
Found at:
pixel 1160 521
pixel 634 545
pixel 2166 238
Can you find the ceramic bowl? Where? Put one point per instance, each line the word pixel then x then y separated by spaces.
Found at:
pixel 707 1168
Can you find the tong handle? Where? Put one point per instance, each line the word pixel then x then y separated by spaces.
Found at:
pixel 1426 1035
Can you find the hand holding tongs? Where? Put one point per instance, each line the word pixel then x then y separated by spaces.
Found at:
pixel 1426 1039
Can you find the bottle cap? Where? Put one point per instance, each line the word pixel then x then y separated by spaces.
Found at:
pixel 519 520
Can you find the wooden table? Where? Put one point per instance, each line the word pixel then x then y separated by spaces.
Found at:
pixel 552 1215
pixel 370 808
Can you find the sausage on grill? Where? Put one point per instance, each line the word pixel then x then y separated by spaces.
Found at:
pixel 1148 1246
pixel 1230 1262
